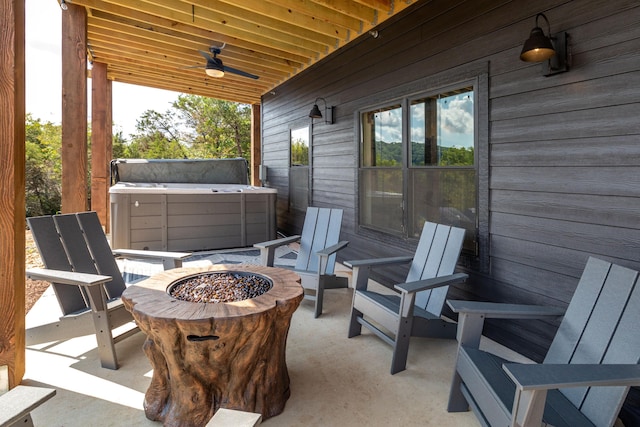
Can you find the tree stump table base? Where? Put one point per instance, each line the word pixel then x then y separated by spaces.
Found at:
pixel 207 356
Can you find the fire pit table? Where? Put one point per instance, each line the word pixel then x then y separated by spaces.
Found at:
pixel 208 355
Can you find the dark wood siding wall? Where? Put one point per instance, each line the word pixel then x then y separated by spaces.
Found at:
pixel 564 150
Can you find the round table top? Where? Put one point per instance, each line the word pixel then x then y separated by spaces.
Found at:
pixel 149 297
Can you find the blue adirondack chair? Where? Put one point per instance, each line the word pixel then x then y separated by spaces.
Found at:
pixel 316 258
pixel 86 280
pixel 587 372
pixel 416 309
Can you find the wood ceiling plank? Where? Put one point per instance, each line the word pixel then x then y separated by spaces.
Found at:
pixel 287 15
pixel 359 11
pixel 207 19
pixel 382 6
pixel 261 21
pixel 321 13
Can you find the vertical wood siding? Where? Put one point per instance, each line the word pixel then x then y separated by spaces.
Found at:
pixel 564 150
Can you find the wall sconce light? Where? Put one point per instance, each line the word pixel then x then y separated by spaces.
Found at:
pixel 549 49
pixel 63 5
pixel 315 112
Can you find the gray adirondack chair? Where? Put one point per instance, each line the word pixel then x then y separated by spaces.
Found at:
pixel 416 310
pixel 588 369
pixel 86 280
pixel 316 258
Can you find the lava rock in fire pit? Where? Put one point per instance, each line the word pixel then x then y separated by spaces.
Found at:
pixel 220 287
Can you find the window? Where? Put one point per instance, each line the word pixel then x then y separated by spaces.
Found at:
pixel 381 172
pixel 418 164
pixel 299 168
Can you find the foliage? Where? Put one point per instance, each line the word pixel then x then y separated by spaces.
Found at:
pixel 43 167
pixel 157 137
pixel 299 153
pixel 218 129
pixel 194 127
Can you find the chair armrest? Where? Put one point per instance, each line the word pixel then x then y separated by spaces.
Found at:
pixel 277 242
pixel 472 314
pixel 268 249
pixel 435 282
pixel 20 401
pixel 135 253
pixel 378 261
pixel 494 310
pixel 169 259
pixel 332 249
pixel 552 376
pixel 324 254
pixel 67 277
pixel 362 268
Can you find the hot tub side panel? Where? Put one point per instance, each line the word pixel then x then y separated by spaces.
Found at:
pixel 191 222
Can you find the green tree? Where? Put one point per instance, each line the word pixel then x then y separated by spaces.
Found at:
pixel 216 128
pixel 43 168
pixel 157 137
pixel 119 147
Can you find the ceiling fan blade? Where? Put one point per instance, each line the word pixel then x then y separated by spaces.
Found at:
pixel 240 72
pixel 206 55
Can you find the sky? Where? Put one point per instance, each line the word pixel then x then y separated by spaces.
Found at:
pixel 44 75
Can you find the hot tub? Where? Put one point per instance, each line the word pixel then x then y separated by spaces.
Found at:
pixel 190 216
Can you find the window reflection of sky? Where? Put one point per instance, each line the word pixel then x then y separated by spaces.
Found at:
pixel 300 136
pixel 455 122
pixel 455 116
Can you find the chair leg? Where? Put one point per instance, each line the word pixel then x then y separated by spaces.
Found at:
pixel 457 401
pixel 319 298
pixel 401 346
pixel 355 328
pixel 106 347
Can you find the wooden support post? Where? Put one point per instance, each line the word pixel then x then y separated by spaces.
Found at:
pixel 74 109
pixel 256 146
pixel 101 142
pixel 12 193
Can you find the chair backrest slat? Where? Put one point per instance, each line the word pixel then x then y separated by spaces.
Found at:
pixel 321 229
pixel 101 252
pixel 54 256
pixel 436 255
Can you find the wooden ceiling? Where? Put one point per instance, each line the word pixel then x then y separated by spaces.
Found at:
pixel 151 43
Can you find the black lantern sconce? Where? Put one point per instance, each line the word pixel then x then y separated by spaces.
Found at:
pixel 551 50
pixel 315 112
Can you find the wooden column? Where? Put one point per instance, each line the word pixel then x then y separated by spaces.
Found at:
pixel 74 109
pixel 256 146
pixel 12 193
pixel 101 142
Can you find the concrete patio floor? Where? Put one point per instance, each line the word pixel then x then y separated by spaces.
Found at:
pixel 335 381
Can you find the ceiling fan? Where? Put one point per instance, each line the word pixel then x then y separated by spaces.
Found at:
pixel 214 66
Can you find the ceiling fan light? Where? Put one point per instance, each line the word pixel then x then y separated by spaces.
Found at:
pixel 214 72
